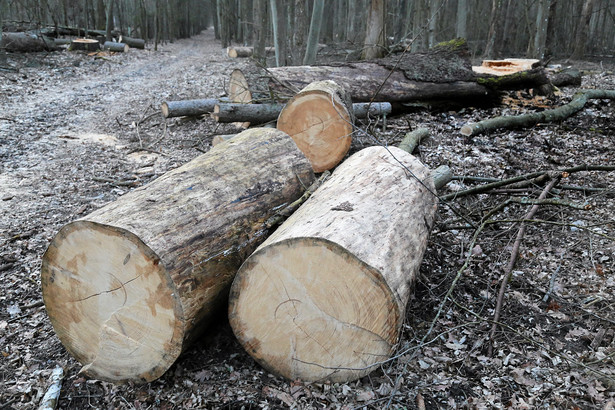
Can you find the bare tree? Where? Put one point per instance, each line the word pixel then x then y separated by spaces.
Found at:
pixel 374 35
pixel 314 35
pixel 582 30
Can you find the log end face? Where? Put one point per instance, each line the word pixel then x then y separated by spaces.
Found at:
pixel 111 303
pixel 238 88
pixel 307 309
pixel 321 126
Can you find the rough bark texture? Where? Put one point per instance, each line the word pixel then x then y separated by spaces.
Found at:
pixel 528 120
pixel 567 77
pixel 320 121
pixel 130 285
pixel 252 113
pixel 188 108
pixel 324 297
pixel 26 43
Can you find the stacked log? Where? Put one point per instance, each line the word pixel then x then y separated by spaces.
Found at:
pixel 128 287
pixel 324 297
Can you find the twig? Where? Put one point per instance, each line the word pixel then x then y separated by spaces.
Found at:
pixel 513 260
pixel 545 299
pixel 50 400
pixel 492 185
pixel 412 139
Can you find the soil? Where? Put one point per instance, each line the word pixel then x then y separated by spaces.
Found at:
pixel 79 130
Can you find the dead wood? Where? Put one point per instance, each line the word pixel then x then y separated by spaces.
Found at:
pixel 132 42
pixel 26 43
pixel 527 120
pixel 115 47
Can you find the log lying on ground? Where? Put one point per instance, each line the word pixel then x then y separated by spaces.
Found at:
pixel 261 113
pixel 115 47
pixel 133 42
pixel 528 120
pixel 320 121
pixel 235 52
pixel 188 108
pixel 130 285
pixel 566 77
pixel 324 296
pixel 84 44
pixel 26 43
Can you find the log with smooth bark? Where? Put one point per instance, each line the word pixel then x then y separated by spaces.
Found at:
pixel 260 113
pixel 324 297
pixel 527 120
pixel 116 47
pixel 133 42
pixel 129 286
pixel 320 121
pixel 188 108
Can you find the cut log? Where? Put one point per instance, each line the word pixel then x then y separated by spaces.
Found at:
pixel 506 66
pixel 531 119
pixel 128 287
pixel 188 108
pixel 261 113
pixel 324 297
pixel 249 85
pixel 320 121
pixel 116 47
pixel 239 52
pixel 252 113
pixel 133 42
pixel 567 77
pixel 84 44
pixel 26 43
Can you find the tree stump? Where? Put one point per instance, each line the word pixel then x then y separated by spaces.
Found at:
pixel 84 44
pixel 128 287
pixel 320 121
pixel 324 297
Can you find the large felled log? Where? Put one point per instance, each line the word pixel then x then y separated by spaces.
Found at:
pixel 324 297
pixel 260 113
pixel 132 42
pixel 320 121
pixel 26 43
pixel 133 283
pixel 531 119
pixel 115 47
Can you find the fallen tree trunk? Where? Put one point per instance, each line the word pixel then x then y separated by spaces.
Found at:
pixel 188 108
pixel 261 113
pixel 133 42
pixel 128 287
pixel 115 47
pixel 528 120
pixel 567 77
pixel 320 121
pixel 243 52
pixel 26 43
pixel 324 297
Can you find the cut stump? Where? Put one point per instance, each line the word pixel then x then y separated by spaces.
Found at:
pixel 324 297
pixel 320 121
pixel 84 44
pixel 128 287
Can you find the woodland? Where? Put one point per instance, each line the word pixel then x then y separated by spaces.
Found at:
pixel 232 204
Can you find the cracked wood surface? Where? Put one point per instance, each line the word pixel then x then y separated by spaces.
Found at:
pixel 324 297
pixel 131 284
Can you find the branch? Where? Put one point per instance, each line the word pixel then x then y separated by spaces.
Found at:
pixel 527 120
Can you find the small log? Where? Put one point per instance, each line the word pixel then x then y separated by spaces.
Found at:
pixel 260 113
pixel 252 113
pixel 567 77
pixel 528 120
pixel 188 108
pixel 243 52
pixel 128 287
pixel 320 121
pixel 324 297
pixel 116 47
pixel 133 42
pixel 84 44
pixel 412 139
pixel 26 43
pixel 52 396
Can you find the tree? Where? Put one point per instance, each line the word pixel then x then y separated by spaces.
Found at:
pixel 462 19
pixel 315 24
pixel 537 47
pixel 582 30
pixel 374 35
pixel 279 20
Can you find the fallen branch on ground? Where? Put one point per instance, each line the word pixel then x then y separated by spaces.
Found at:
pixel 527 120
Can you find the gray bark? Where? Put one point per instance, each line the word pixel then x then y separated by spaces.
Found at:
pixel 315 24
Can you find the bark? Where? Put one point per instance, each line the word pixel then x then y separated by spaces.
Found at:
pixel 314 33
pixel 320 121
pixel 132 42
pixel 462 19
pixel 240 52
pixel 259 36
pixel 26 43
pixel 582 30
pixel 188 108
pixel 528 120
pixel 128 287
pixel 324 297
pixel 567 77
pixel 109 24
pixel 116 47
pixel 375 35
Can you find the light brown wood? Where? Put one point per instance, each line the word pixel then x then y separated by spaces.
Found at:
pixel 505 66
pixel 85 44
pixel 320 121
pixel 324 297
pixel 242 52
pixel 128 287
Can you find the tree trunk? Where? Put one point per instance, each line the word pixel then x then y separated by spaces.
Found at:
pixel 25 43
pixel 188 108
pixel 279 20
pixel 128 287
pixel 320 121
pixel 375 35
pixel 324 298
pixel 259 37
pixel 542 24
pixel 462 19
pixel 109 25
pixel 244 52
pixel 116 47
pixel 580 41
pixel 314 34
pixel 133 42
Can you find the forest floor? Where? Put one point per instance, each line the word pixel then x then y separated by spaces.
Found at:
pixel 77 131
